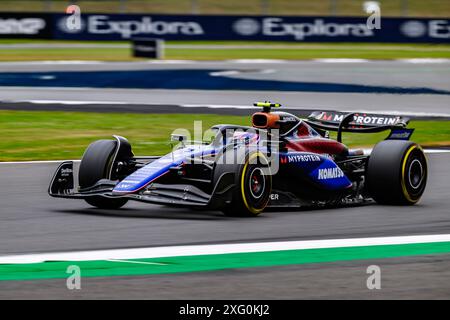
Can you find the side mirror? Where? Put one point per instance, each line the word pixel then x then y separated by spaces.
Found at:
pixel 178 138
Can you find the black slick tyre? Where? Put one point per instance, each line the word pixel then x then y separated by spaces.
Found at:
pixel 397 172
pixel 95 165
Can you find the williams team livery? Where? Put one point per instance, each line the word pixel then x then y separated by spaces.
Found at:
pixel 279 161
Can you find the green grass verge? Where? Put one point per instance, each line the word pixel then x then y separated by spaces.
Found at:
pixel 292 51
pixel 40 135
pixel 53 270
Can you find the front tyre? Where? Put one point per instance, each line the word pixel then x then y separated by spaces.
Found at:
pixel 397 172
pixel 95 165
pixel 253 187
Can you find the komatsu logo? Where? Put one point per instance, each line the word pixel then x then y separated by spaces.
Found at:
pixel 330 173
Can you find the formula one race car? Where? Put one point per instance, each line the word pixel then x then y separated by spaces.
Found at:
pixel 280 161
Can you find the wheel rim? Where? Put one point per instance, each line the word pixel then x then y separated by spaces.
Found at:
pixel 257 183
pixel 415 174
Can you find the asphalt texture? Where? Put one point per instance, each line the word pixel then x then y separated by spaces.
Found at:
pixel 31 221
pixel 378 86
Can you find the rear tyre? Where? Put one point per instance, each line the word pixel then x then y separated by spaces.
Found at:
pixel 397 172
pixel 95 165
pixel 253 187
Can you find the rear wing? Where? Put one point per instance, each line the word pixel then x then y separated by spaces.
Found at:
pixel 360 123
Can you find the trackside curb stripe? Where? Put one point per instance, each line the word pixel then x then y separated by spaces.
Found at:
pixel 168 265
pixel 193 250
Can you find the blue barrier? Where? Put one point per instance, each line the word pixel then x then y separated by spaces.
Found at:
pixel 259 28
pixel 220 27
pixel 190 79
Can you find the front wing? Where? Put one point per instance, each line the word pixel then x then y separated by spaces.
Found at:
pixel 63 186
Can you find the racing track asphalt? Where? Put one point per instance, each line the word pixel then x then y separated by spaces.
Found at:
pixel 368 86
pixel 31 222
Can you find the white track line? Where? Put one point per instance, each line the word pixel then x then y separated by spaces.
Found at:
pixel 37 162
pixel 53 62
pixel 218 106
pixel 424 60
pixel 177 251
pixel 139 262
pixel 368 151
pixel 341 60
pixel 430 151
pixel 214 106
pixel 70 102
pixel 247 61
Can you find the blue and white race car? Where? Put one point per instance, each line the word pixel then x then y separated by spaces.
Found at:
pixel 279 161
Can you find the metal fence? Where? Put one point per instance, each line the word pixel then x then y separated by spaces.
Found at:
pixel 398 8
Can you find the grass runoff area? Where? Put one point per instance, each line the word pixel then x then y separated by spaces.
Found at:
pixel 42 135
pixel 216 50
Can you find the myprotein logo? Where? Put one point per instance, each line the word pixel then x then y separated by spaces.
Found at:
pixel 22 26
pixel 360 119
pixel 434 29
pixel 278 27
pixel 300 158
pixel 105 25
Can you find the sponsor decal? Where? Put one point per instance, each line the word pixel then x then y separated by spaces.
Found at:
pixel 125 185
pixel 299 158
pixel 238 27
pixel 379 120
pixel 360 119
pixel 318 28
pixel 104 25
pixel 66 172
pixel 25 26
pixel 400 134
pixel 290 119
pixel 330 173
pixel 247 27
pixel 439 29
pixel 433 29
pixel 413 29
